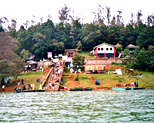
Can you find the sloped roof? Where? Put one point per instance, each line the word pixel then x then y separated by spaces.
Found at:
pixel 104 44
pixel 131 45
pixel 102 61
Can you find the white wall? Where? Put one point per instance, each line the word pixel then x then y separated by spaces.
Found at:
pixel 104 46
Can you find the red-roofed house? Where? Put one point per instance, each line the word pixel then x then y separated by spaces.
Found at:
pixel 131 48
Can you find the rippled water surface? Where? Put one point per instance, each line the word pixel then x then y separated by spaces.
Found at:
pixel 92 106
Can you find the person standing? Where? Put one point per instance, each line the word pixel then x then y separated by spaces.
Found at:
pixel 53 86
pixel 8 83
pixel 22 81
pixel 132 84
pixel 55 76
pixel 52 76
pixel 50 85
pixel 33 86
pixel 40 87
pixel 18 82
pixel 3 86
pixel 136 83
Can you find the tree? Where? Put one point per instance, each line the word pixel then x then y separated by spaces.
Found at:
pixel 10 63
pixel 119 49
pixel 64 14
pixel 25 54
pixel 79 60
pixel 139 15
pixel 126 52
pixel 79 46
pixel 99 17
pixel 4 68
pixel 108 14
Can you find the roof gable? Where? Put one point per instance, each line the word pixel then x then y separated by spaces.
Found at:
pixel 131 45
pixel 104 44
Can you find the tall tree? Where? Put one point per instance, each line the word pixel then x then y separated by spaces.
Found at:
pixel 10 63
pixel 64 14
pixel 108 14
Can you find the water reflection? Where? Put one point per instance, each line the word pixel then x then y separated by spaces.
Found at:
pixel 92 106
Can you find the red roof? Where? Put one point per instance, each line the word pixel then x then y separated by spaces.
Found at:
pixel 131 45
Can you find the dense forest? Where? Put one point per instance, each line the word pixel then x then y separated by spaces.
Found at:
pixel 70 33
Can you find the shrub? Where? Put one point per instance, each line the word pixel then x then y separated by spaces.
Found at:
pixel 66 69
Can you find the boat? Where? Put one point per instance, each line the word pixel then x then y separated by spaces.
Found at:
pixel 125 87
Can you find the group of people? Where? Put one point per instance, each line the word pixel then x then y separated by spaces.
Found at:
pixel 22 87
pixel 5 82
pixel 54 76
pixel 133 84
pixel 31 86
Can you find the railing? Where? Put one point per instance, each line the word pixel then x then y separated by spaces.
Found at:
pixel 48 75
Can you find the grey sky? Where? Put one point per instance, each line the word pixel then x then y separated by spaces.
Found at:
pixel 24 9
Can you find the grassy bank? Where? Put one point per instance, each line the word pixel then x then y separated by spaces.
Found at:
pixel 106 80
pixel 86 54
pixel 31 78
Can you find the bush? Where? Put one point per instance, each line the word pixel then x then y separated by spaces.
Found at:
pixel 82 68
pixel 66 69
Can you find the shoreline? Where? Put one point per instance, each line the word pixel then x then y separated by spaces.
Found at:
pixel 79 89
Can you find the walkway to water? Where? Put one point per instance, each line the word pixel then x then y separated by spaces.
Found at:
pixel 57 72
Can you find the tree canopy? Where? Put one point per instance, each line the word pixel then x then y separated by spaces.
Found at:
pixel 70 32
pixel 10 62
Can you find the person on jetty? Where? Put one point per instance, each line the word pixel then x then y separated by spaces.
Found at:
pixel 52 76
pixel 53 86
pixel 50 85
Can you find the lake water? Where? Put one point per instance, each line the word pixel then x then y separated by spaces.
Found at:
pixel 91 106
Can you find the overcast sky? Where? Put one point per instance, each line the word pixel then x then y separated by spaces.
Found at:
pixel 23 10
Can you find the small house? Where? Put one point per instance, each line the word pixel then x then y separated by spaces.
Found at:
pixel 70 52
pixel 104 50
pixel 131 48
pixel 99 64
pixel 94 64
pixel 32 66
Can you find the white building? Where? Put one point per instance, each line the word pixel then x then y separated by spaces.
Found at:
pixel 104 50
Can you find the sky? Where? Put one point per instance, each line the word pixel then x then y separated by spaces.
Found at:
pixel 23 10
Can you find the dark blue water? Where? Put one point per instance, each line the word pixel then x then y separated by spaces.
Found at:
pixel 93 106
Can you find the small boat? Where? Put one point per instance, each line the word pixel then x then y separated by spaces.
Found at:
pixel 125 87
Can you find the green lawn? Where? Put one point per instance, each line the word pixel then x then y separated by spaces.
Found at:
pixel 31 78
pixel 86 54
pixel 109 80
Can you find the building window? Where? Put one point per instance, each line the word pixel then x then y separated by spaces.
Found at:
pixel 107 49
pixel 98 48
pixel 111 49
pixel 102 49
